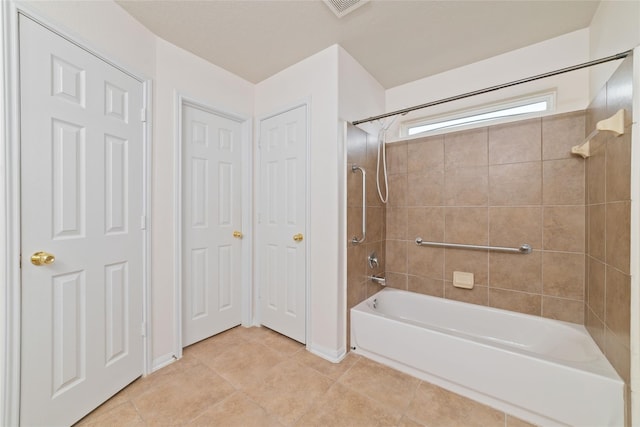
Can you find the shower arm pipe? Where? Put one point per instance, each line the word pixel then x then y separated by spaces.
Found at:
pixel 355 240
pixel 615 57
pixel 523 249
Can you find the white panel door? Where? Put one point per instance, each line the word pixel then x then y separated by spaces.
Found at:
pixel 281 223
pixel 211 214
pixel 82 202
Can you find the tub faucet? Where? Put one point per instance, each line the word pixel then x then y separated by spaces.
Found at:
pixel 373 260
pixel 379 280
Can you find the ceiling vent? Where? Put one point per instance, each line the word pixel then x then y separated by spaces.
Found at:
pixel 342 7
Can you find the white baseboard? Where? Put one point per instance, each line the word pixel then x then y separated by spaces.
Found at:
pixel 334 356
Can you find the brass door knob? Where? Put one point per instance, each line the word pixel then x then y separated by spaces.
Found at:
pixel 237 234
pixel 298 237
pixel 42 258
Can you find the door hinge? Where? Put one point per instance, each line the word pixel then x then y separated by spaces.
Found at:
pixel 143 222
pixel 143 115
pixel 143 329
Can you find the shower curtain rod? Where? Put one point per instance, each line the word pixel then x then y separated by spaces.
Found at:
pixel 621 55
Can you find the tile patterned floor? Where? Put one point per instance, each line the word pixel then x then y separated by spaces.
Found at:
pixel 256 377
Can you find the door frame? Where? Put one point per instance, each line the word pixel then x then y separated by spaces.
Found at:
pixel 10 191
pixel 181 100
pixel 306 102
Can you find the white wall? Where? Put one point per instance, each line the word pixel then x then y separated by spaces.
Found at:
pixel 563 51
pixel 360 95
pixel 105 27
pixel 315 79
pixel 615 28
pixel 178 71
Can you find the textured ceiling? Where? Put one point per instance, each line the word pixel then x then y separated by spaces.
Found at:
pixel 397 41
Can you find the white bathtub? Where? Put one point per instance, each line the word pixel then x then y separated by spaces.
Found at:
pixel 544 371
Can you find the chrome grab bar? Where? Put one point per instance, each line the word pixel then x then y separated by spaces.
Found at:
pixel 355 239
pixel 523 249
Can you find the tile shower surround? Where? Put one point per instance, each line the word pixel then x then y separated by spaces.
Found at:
pixel 502 186
pixel 506 185
pixel 608 213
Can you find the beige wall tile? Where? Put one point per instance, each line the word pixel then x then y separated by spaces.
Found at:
pixel 618 304
pixel 515 142
pixel 426 154
pixel 372 288
pixel 375 224
pixel 618 235
pixel 354 222
pixel 396 223
pixel 425 285
pixel 596 286
pixel 618 354
pixel 396 281
pixel 356 262
pixel 466 225
pixel 354 188
pixel 515 301
pixel 466 186
pixel 396 252
pixel 596 184
pixel 515 271
pixel 596 231
pixel 563 275
pixel 476 262
pixel 563 182
pixel 466 149
pixel 426 222
pixel 426 262
pixel 513 226
pixel 396 155
pixel 425 189
pixel 563 309
pixel 478 295
pixel 595 326
pixel 515 184
pixel 563 228
pixel 397 190
pixel 560 133
pixel 618 168
pixel 372 195
pixel 355 294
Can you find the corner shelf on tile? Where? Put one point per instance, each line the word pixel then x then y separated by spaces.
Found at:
pixel 613 124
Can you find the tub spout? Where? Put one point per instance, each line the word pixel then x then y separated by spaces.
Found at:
pixel 379 280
